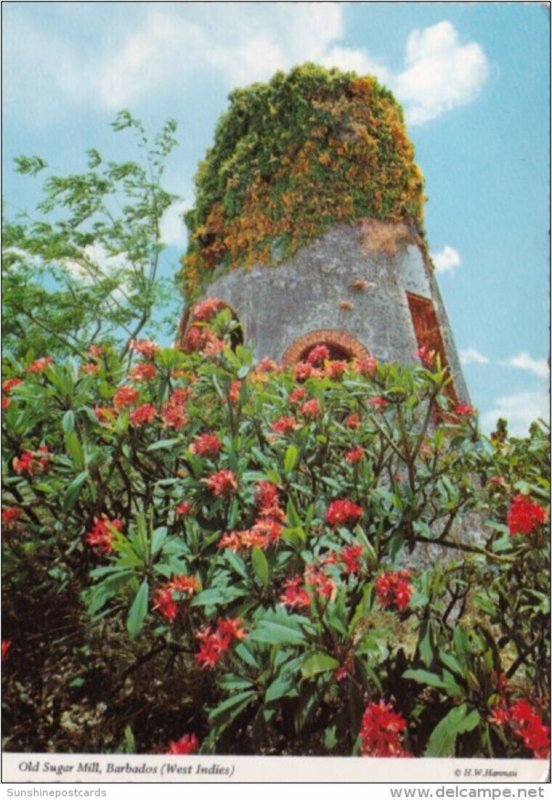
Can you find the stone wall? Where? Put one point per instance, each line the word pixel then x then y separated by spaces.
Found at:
pixel 353 279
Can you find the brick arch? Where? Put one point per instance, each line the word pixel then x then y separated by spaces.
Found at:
pixel 338 340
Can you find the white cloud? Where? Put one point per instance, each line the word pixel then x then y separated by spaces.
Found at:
pixel 525 361
pixel 440 73
pixel 173 229
pixel 161 46
pixel 97 262
pixel 471 355
pixel 446 260
pixel 520 410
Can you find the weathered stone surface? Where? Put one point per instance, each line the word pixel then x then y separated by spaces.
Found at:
pixel 353 279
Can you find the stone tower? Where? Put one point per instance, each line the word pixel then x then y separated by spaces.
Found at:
pixel 308 225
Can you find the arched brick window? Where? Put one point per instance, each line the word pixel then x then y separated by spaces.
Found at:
pixel 341 345
pixel 193 328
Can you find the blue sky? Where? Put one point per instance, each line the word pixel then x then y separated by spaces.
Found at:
pixel 473 79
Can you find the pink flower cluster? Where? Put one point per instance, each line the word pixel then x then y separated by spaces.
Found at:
pixel 525 516
pixel 216 641
pixel 32 461
pixel 343 512
pixel 100 536
pixel 164 597
pixel 381 732
pixel 526 723
pixel 223 483
pixel 394 589
pixel 267 528
pixel 206 445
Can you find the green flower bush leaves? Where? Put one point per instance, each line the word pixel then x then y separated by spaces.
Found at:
pixel 260 560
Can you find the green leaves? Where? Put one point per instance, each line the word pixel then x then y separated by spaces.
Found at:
pixel 290 458
pixel 317 663
pixel 443 737
pixel 281 617
pixel 138 611
pixel 260 566
pixel 100 256
pixel 278 630
pixel 29 165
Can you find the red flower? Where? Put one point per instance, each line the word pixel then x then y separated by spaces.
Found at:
pixel 335 369
pixel 90 369
pixel 394 589
pixel 295 594
pixel 267 365
pixel 352 421
pixel 207 309
pixel 367 367
pixel 425 356
pixel 32 461
pixel 298 395
pixel 184 746
pixel 320 582
pixel 10 384
pixel 378 402
pixel 235 391
pixel 311 409
pixel 464 410
pixel 185 584
pixel 143 414
pixel 318 355
pixel 231 629
pixel 214 346
pixel 125 396
pixel 351 556
pixel 6 644
pixel 184 509
pixel 10 515
pixel 381 731
pixel 527 724
pixel 164 602
pixel 525 516
pixel 223 483
pixel 354 455
pixel 265 532
pixel 215 643
pixel 266 494
pixel 196 339
pixel 233 540
pixel 174 412
pixel 284 425
pixel 143 371
pixel 206 445
pixel 100 536
pixel 40 364
pixel 302 371
pixel 163 597
pixel 343 512
pixel 145 347
pixel 95 351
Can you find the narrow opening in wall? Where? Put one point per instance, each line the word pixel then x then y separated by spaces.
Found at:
pixel 428 332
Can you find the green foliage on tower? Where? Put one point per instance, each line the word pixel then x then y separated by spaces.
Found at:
pixel 292 157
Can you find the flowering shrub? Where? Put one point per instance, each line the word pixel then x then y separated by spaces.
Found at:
pixel 269 562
